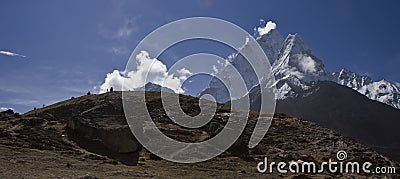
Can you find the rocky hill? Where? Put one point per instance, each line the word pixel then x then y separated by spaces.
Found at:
pixel 89 137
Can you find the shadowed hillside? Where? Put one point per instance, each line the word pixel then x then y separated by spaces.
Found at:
pixel 88 136
pixel 344 110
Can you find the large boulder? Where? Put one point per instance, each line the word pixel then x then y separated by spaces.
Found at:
pixel 104 130
pixel 117 138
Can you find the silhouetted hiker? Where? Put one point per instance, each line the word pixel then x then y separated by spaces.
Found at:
pixel 111 89
pixel 88 93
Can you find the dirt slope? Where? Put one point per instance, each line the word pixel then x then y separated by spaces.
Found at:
pixel 38 145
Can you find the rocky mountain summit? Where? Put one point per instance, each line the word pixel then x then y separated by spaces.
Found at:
pixel 88 137
pixel 153 87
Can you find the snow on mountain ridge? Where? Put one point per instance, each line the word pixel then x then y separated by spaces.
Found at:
pixel 297 59
pixel 271 43
pixel 351 79
pixel 383 91
pixel 296 67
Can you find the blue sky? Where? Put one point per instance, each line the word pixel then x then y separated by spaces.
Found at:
pixel 67 47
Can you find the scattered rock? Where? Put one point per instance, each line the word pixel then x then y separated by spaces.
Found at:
pixel 154 157
pixel 8 111
pixel 88 177
pixel 215 128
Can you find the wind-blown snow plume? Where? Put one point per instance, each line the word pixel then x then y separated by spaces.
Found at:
pixel 12 54
pixel 136 78
pixel 307 64
pixel 268 26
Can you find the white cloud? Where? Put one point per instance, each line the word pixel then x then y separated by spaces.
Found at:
pixel 184 74
pixel 126 30
pixel 307 64
pixel 118 50
pixel 12 54
pixel 158 74
pixel 268 27
pixel 5 109
pixel 121 30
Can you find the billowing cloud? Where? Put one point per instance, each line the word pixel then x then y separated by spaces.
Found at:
pixel 268 27
pixel 158 74
pixel 307 64
pixel 12 54
pixel 184 73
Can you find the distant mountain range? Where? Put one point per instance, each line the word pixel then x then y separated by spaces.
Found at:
pixel 295 66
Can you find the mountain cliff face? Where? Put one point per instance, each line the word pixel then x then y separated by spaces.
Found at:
pixel 297 60
pixel 271 43
pixel 296 67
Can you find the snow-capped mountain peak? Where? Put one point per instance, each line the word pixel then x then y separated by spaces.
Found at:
pixel 271 42
pixel 351 79
pixel 383 91
pixel 297 59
